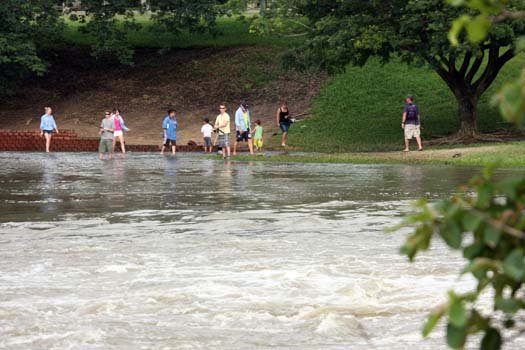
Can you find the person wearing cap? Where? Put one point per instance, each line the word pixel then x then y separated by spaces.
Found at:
pixel 242 127
pixel 411 123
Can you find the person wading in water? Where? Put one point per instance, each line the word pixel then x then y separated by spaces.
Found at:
pixel 47 126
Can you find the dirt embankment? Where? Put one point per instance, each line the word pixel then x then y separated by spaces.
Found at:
pixel 193 82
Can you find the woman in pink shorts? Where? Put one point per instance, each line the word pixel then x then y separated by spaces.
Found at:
pixel 120 127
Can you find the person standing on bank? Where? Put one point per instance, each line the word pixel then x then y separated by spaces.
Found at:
pixel 169 126
pixel 222 125
pixel 283 121
pixel 107 128
pixel 47 125
pixel 120 127
pixel 242 127
pixel 258 132
pixel 411 123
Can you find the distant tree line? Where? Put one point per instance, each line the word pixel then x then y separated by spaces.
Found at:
pixel 29 28
pixel 350 32
pixel 337 33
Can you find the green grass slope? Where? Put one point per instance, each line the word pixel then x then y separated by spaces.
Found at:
pixel 360 110
pixel 233 32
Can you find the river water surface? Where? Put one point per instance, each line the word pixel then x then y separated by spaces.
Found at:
pixel 187 253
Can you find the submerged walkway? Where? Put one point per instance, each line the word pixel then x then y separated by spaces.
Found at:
pixel 67 141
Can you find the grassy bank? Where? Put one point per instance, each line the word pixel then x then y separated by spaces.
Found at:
pixel 510 155
pixel 233 32
pixel 360 110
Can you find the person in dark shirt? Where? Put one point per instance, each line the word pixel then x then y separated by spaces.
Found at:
pixel 283 121
pixel 411 123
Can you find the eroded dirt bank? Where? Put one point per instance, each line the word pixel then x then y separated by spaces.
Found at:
pixel 192 81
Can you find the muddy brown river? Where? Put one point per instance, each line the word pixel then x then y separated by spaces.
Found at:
pixel 149 252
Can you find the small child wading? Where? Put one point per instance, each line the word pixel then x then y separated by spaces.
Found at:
pixel 258 135
pixel 206 131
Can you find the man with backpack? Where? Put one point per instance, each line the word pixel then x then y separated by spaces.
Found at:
pixel 411 123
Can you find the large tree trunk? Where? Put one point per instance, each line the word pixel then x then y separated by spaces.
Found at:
pixel 461 82
pixel 467 116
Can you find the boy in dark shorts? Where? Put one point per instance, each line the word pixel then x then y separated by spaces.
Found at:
pixel 206 131
pixel 169 126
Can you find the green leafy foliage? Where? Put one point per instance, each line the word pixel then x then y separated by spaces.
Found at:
pixel 491 340
pixel 342 32
pixel 492 215
pixel 29 29
pixel 511 99
pixel 477 26
pixel 360 109
pixel 25 29
pixel 110 22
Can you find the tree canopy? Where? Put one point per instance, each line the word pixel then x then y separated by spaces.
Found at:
pixel 511 98
pixel 28 28
pixel 25 27
pixel 343 32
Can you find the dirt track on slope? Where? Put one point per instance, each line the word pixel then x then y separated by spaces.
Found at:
pixel 193 82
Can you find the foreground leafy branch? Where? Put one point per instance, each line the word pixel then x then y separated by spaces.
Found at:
pixel 486 221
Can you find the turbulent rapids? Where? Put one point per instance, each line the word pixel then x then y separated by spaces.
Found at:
pixel 186 253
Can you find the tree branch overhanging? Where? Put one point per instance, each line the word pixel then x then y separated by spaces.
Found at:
pixel 508 15
pixel 494 65
pixel 475 67
pixel 465 64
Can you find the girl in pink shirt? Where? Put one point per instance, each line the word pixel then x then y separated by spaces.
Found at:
pixel 120 127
